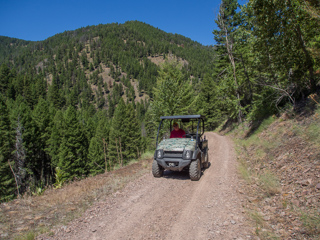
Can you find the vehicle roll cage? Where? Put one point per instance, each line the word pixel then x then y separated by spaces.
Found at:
pixel 183 118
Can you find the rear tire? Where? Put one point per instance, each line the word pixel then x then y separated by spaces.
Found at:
pixel 157 170
pixel 195 170
pixel 206 161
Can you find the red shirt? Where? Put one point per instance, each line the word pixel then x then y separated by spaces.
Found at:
pixel 177 134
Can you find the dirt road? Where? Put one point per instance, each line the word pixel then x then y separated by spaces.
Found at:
pixel 171 207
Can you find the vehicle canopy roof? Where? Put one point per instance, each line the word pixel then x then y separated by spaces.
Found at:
pixel 182 117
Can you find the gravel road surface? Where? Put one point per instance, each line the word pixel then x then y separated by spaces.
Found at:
pixel 171 207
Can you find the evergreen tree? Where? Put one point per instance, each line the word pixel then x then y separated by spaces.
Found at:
pixel 54 94
pixel 173 94
pixel 7 182
pixel 4 78
pixel 42 118
pixel 27 91
pixel 73 147
pixel 211 102
pixel 133 134
pixel 55 138
pixel 117 135
pixel 97 157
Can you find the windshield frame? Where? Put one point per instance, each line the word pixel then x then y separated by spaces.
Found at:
pixel 181 119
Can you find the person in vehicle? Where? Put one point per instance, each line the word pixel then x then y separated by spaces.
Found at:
pixel 177 132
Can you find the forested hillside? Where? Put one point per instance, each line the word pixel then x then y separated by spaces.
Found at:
pixel 84 101
pixel 75 104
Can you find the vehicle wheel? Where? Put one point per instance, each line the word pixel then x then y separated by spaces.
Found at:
pixel 157 170
pixel 195 170
pixel 206 161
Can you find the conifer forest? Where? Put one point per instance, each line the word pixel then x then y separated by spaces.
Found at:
pixel 87 101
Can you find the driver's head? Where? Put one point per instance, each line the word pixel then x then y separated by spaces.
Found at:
pixel 175 126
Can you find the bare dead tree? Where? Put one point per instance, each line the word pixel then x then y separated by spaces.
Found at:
pixel 282 93
pixel 98 165
pixel 15 178
pixel 20 155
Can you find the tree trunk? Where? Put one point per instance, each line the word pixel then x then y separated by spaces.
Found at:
pixel 308 59
pixel 231 58
pixel 14 178
pixel 120 152
pixel 117 149
pixel 105 155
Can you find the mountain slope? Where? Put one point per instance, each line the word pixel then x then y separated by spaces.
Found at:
pixel 280 163
pixel 119 50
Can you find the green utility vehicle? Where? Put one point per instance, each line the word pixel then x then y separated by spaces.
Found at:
pixel 187 153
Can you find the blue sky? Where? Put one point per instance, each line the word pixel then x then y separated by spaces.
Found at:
pixel 37 20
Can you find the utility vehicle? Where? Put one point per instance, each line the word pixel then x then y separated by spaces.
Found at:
pixel 187 153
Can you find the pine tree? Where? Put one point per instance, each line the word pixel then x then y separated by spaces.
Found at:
pixel 4 78
pixel 117 133
pixel 7 182
pixel 173 94
pixel 55 138
pixel 211 102
pixel 54 94
pixel 133 134
pixel 102 135
pixel 73 147
pixel 97 156
pixel 42 118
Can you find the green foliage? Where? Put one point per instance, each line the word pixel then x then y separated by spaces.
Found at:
pixel 282 45
pixel 117 134
pixel 58 106
pixel 133 146
pixel 313 130
pixel 7 184
pixel 59 178
pixel 262 67
pixel 98 148
pixel 311 222
pixel 269 183
pixel 96 156
pixel 28 236
pixel 174 93
pixel 55 138
pixel 73 148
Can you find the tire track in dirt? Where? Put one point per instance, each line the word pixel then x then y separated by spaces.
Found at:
pixel 171 207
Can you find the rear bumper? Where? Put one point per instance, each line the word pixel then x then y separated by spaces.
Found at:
pixel 173 164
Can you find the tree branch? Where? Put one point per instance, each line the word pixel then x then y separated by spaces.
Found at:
pixel 14 178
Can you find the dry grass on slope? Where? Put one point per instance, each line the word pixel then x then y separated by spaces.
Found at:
pixel 31 215
pixel 280 164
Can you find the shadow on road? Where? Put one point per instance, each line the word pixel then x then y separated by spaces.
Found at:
pixel 183 175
